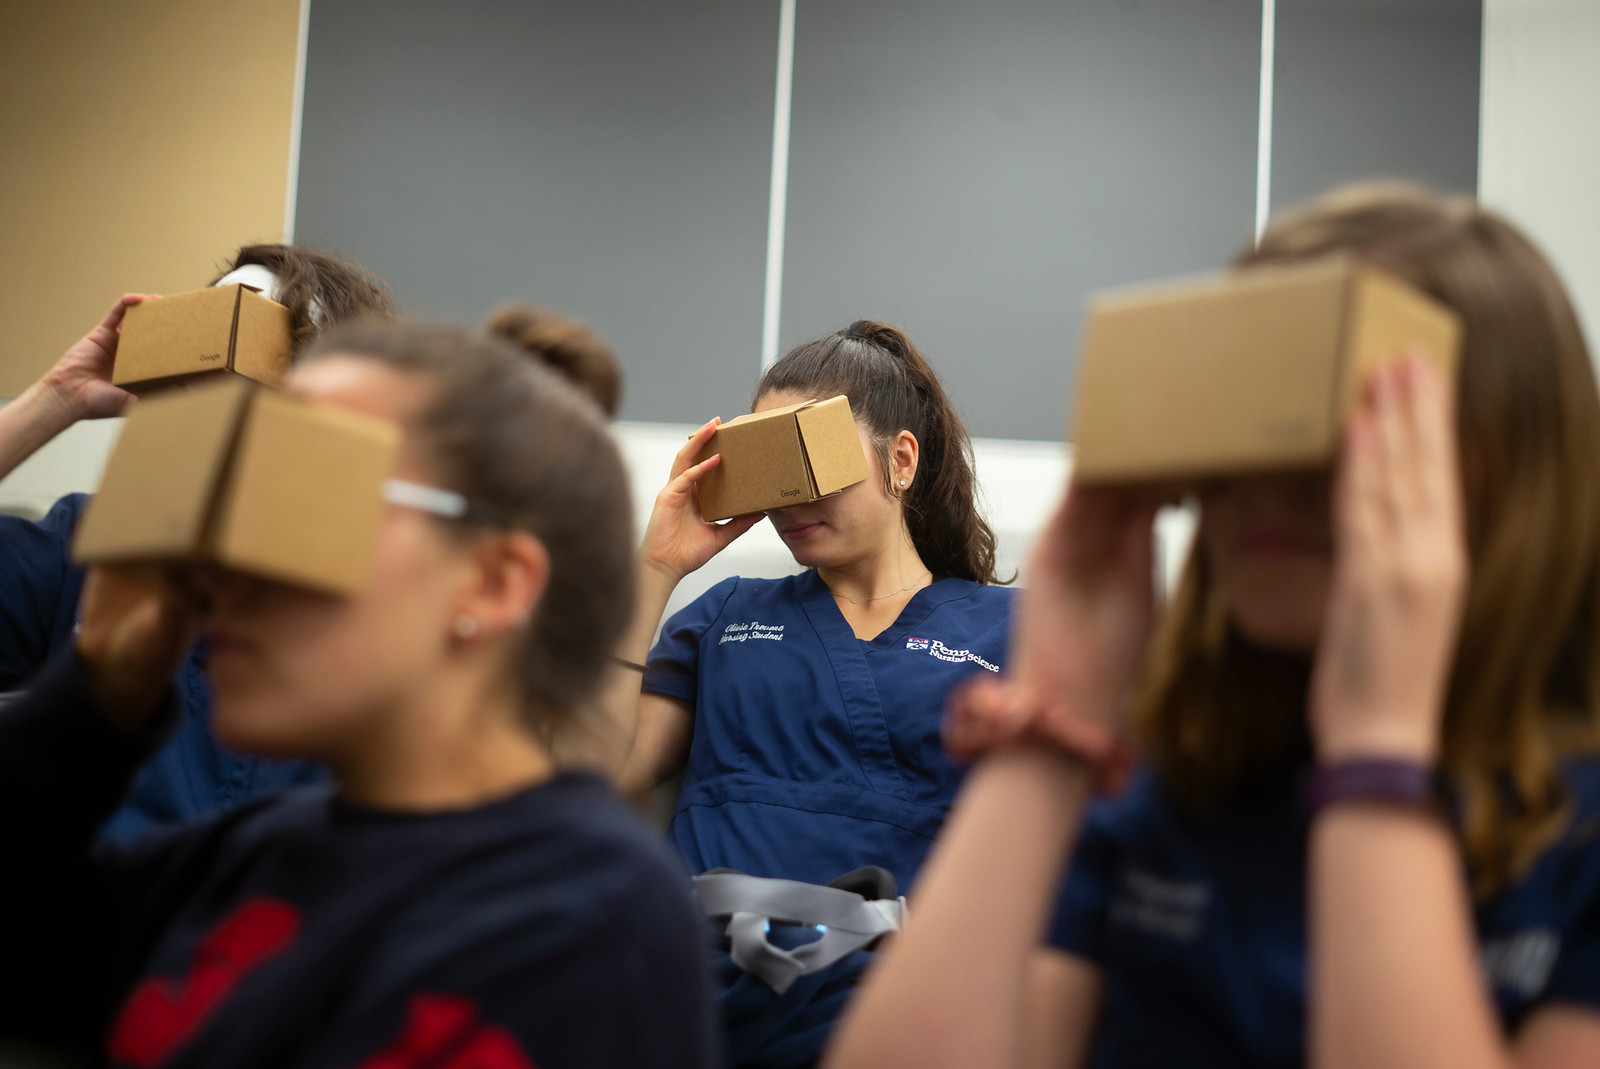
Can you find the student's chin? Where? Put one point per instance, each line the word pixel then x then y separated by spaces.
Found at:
pixel 253 724
pixel 808 557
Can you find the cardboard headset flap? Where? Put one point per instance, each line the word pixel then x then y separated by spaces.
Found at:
pixel 1252 370
pixel 217 331
pixel 785 456
pixel 253 480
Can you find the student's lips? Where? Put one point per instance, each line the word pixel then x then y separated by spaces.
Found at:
pixel 792 531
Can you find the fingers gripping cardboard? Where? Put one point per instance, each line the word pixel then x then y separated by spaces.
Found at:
pixel 249 479
pixel 785 456
pixel 223 330
pixel 1254 370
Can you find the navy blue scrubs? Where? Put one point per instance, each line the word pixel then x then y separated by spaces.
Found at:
pixel 815 753
pixel 1200 929
pixel 191 776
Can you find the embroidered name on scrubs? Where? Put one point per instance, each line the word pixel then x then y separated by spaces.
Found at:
pixel 751 629
pixel 1173 908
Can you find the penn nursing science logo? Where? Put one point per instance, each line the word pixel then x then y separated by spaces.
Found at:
pixel 938 649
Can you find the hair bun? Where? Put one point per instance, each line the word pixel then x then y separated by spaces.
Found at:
pixel 564 345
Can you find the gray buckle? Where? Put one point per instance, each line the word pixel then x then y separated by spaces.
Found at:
pixel 848 922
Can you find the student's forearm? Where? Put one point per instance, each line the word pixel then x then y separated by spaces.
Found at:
pixel 952 990
pixel 654 591
pixel 36 416
pixel 619 701
pixel 1395 975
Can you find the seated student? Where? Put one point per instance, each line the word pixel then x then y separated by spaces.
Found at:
pixel 453 898
pixel 814 750
pixel 40 588
pixel 1427 610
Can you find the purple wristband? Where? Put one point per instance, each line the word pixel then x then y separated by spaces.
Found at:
pixel 1386 780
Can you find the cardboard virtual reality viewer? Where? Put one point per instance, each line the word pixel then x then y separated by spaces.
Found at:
pixel 786 456
pixel 215 332
pixel 1256 369
pixel 256 481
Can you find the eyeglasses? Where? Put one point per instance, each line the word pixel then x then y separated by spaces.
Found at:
pixel 446 504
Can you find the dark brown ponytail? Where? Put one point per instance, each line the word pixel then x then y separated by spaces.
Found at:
pixel 891 389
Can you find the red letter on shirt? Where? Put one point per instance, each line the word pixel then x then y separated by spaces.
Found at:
pixel 162 1015
pixel 443 1031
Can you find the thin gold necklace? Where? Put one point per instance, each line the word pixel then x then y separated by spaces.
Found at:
pixel 880 597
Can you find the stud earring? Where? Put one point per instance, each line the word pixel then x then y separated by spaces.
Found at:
pixel 466 626
pixel 902 484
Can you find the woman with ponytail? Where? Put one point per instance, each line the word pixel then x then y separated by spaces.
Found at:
pixel 804 712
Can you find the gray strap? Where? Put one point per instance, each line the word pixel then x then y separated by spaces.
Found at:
pixel 848 922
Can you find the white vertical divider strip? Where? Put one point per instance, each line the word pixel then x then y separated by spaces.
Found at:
pixel 1269 35
pixel 1485 66
pixel 778 202
pixel 291 192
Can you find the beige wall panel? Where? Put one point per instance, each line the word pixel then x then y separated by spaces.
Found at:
pixel 140 144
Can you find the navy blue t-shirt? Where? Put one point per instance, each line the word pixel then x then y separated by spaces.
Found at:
pixel 549 928
pixel 815 753
pixel 192 775
pixel 1199 929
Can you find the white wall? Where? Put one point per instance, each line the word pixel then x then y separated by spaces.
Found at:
pixel 1539 147
pixel 70 464
pixel 1021 481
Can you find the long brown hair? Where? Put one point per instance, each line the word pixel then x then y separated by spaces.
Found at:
pixel 1525 687
pixel 320 290
pixel 892 389
pixel 534 452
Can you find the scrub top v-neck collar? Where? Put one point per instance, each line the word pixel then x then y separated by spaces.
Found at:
pixel 858 689
pixel 921 605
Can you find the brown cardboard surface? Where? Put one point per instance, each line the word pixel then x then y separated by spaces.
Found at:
pixel 1390 317
pixel 216 330
pixel 1253 370
pixel 155 495
pixel 784 456
pixel 241 476
pixel 177 335
pixel 762 466
pixel 304 494
pixel 262 344
pixel 833 447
